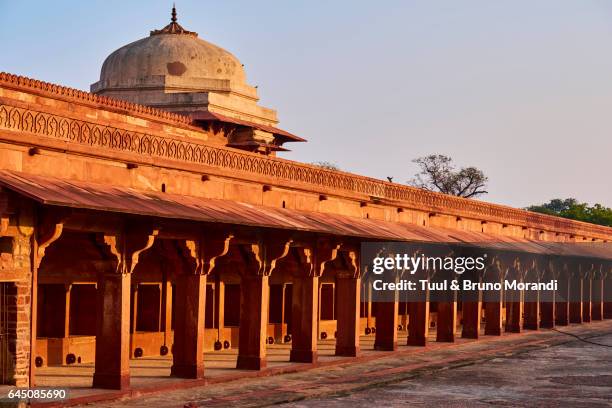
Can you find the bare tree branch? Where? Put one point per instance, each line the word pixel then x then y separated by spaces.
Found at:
pixel 438 174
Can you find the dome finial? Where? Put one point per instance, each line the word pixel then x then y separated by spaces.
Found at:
pixel 173 27
pixel 173 19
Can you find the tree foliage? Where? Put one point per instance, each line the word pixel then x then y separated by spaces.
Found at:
pixel 439 174
pixel 571 208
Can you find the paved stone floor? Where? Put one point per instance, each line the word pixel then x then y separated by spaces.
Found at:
pixel 575 374
pixel 542 368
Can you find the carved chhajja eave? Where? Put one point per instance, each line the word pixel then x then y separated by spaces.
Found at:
pixel 107 141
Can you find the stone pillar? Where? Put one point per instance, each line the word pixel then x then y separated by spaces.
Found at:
pixel 562 301
pixel 68 289
pixel 532 311
pixel 304 312
pixel 472 311
pixel 254 303
pixel 190 303
pixel 134 316
pixel 112 362
pixel 576 291
pixel 166 295
pixel 607 297
pixel 348 291
pixel 547 306
pixel 597 300
pixel 418 322
pixel 447 320
pixel 493 312
pixel 586 299
pixel 368 301
pixel 386 325
pixel 219 317
pixel 514 311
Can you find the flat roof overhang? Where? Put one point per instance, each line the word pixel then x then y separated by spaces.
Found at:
pixel 53 191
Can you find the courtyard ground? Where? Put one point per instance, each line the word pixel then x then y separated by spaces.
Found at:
pixel 544 368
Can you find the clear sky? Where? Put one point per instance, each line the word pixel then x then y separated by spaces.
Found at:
pixel 520 89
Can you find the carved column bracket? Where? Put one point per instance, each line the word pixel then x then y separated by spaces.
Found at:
pixel 127 246
pixel 205 251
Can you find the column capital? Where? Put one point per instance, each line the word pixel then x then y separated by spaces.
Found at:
pixel 126 247
pixel 206 250
pixel 262 256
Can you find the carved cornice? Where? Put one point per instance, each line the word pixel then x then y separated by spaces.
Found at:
pixel 245 165
pixel 54 90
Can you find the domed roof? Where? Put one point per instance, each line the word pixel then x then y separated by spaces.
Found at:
pixel 172 53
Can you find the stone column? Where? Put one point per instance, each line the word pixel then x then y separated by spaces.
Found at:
pixel 418 320
pixel 47 231
pixel 112 363
pixel 514 311
pixel 254 303
pixel 260 260
pixel 607 297
pixel 197 262
pixel 472 311
pixel 576 292
pixel 562 301
pixel 190 303
pixel 368 302
pixel 532 315
pixel 597 299
pixel 348 291
pixel 386 325
pixel 586 299
pixel 167 310
pixel 547 304
pixel 304 311
pixel 471 308
pixel 68 288
pixel 447 319
pixel 219 317
pixel 532 311
pixel 134 316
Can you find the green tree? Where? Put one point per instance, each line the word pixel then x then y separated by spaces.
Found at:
pixel 572 209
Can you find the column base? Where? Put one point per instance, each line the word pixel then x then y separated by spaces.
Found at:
pixel 187 371
pixel 513 328
pixel 417 341
pixel 597 312
pixel 345 351
pixel 445 337
pixel 493 331
pixel 385 346
pixel 111 381
pixel 303 356
pixel 547 325
pixel 531 326
pixel 251 363
pixel 469 334
pixel 607 312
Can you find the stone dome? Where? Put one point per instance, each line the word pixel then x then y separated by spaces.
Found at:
pixel 174 70
pixel 171 54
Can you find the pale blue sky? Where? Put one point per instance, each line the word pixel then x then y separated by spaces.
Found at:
pixel 521 89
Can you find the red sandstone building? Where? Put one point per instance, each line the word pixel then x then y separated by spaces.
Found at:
pixel 152 217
